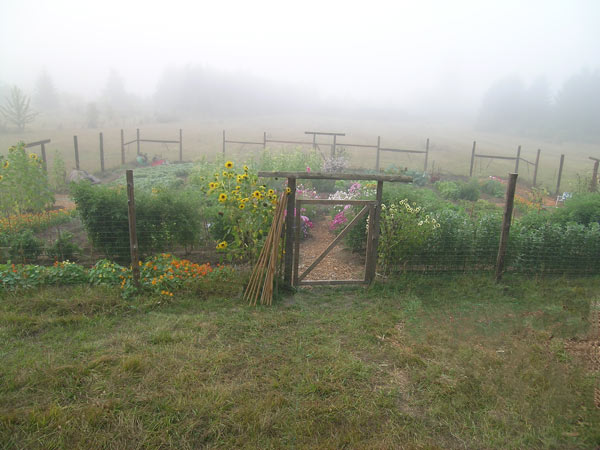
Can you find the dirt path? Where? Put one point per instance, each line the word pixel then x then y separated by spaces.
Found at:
pixel 339 264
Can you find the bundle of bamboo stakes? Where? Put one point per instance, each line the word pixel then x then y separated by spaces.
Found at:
pixel 263 275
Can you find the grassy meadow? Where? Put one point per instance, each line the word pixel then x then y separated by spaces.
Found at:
pixel 421 362
pixel 450 148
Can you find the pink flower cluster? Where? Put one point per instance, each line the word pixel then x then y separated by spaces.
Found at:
pixel 338 220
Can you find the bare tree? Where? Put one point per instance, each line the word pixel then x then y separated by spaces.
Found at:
pixel 17 110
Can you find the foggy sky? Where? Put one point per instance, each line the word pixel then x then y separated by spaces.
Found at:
pixel 376 52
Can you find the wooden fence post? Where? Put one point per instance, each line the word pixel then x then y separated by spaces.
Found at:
pixel 472 159
pixel 535 169
pixel 289 234
pixel 76 146
pixel 518 159
pixel 594 182
pixel 264 140
pixel 378 151
pixel 371 269
pixel 560 169
pixel 133 243
pixel 101 152
pixel 44 156
pixel 223 142
pixel 180 145
pixel 508 209
pixel 137 139
pixel 122 147
pixel 426 155
pixel 333 146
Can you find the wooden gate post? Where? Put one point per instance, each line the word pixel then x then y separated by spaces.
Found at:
pixel 426 155
pixel 223 143
pixel 289 234
pixel 133 243
pixel 264 140
pixel 508 209
pixel 472 158
pixel 180 145
pixel 518 159
pixel 374 233
pixel 101 152
pixel 333 146
pixel 122 147
pixel 560 169
pixel 76 146
pixel 535 169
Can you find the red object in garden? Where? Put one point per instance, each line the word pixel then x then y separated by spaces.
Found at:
pixel 158 162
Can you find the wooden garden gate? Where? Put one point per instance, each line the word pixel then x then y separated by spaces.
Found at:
pixel 292 227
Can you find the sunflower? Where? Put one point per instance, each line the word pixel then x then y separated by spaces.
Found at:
pixel 225 173
pixel 1 177
pixel 33 156
pixel 245 199
pixel 256 194
pixel 5 164
pixel 240 178
pixel 213 185
pixel 222 197
pixel 242 205
pixel 270 192
pixel 287 190
pixel 245 168
pixel 222 245
pixel 229 164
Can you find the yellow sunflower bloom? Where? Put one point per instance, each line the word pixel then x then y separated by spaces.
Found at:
pixel 1 177
pixel 287 190
pixel 270 192
pixel 229 164
pixel 33 156
pixel 222 197
pixel 5 164
pixel 222 245
pixel 245 199
pixel 256 194
pixel 242 205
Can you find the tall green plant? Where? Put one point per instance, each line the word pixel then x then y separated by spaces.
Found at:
pixel 24 185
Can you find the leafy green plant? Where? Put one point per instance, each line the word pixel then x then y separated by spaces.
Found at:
pixel 59 173
pixel 63 248
pixel 65 273
pixel 25 247
pixel 165 218
pixel 493 188
pixel 447 189
pixel 468 191
pixel 24 185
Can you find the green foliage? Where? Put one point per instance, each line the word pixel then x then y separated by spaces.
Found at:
pixel 105 272
pixel 404 230
pixel 241 211
pixel 447 189
pixel 581 208
pixel 59 173
pixel 165 218
pixel 468 191
pixel 63 248
pixel 25 247
pixel 493 188
pixel 24 185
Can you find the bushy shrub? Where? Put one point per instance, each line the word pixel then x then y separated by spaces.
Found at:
pixel 468 191
pixel 493 188
pixel 24 185
pixel 581 208
pixel 164 218
pixel 25 247
pixel 63 248
pixel 447 189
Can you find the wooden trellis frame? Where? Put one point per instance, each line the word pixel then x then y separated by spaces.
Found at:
pixel 292 224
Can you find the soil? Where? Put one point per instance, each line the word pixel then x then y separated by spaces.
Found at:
pixel 339 264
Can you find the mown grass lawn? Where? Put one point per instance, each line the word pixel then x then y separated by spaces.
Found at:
pixel 424 362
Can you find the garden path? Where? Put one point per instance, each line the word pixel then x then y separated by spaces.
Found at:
pixel 339 264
